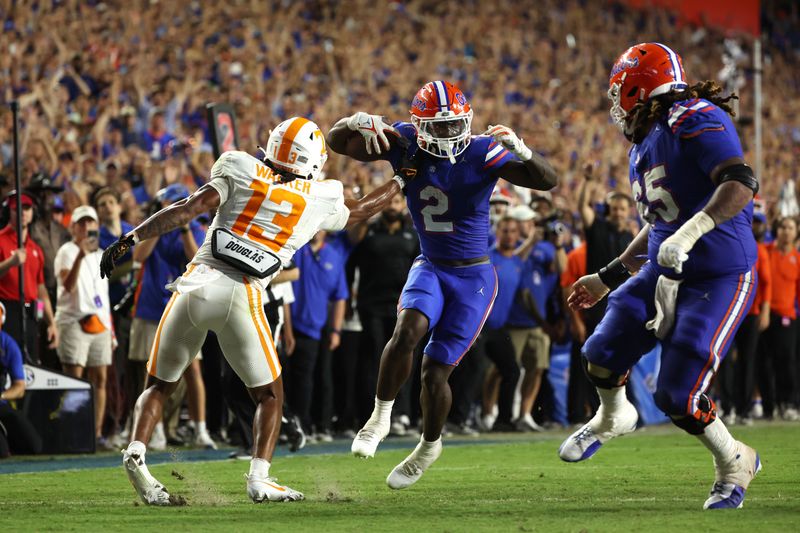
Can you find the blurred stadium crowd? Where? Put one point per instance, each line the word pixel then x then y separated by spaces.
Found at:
pixel 113 98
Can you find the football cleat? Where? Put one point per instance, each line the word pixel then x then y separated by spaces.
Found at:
pixel 267 490
pixel 367 439
pixel 149 489
pixel 585 442
pixel 411 469
pixel 204 440
pixel 293 430
pixel 732 480
pixel 527 423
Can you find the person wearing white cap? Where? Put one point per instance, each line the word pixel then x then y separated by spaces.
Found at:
pixel 83 311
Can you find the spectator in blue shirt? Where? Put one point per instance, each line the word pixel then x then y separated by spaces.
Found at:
pixel 322 280
pixel 120 287
pixel 528 318
pixel 19 437
pixel 495 340
pixel 163 259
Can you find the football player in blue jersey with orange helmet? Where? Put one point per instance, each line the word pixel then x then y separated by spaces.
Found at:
pixel 450 174
pixel 694 257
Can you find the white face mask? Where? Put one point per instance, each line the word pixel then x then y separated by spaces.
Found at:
pixel 444 136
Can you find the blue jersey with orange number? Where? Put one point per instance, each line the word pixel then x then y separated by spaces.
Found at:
pixel 449 203
pixel 670 177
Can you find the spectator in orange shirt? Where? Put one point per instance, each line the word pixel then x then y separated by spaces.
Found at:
pixel 581 396
pixel 737 376
pixel 778 344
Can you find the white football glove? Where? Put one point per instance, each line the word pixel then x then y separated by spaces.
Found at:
pixel 506 136
pixel 674 251
pixel 373 128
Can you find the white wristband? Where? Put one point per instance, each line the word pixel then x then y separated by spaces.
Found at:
pixel 400 181
pixel 135 237
pixel 524 153
pixel 694 228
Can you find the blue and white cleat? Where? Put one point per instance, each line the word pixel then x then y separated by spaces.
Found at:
pixel 732 480
pixel 585 442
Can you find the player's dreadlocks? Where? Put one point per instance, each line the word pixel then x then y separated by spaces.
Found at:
pixel 643 114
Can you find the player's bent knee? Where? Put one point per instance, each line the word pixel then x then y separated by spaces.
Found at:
pixel 405 338
pixel 603 378
pixel 693 423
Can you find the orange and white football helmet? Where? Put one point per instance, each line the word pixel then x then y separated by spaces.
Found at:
pixel 641 72
pixel 297 147
pixel 443 119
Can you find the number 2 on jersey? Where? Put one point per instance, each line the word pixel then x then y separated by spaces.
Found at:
pixel 286 223
pixel 439 206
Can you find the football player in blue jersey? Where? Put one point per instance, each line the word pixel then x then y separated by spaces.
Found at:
pixel 694 257
pixel 451 286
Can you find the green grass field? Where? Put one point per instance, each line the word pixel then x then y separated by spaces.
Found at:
pixel 654 480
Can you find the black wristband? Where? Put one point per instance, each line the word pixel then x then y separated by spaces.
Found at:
pixel 614 274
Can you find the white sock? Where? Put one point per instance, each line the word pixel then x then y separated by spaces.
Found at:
pixel 137 448
pixel 427 446
pixel 719 442
pixel 426 451
pixel 201 427
pixel 383 411
pixel 612 399
pixel 259 468
pixel 158 430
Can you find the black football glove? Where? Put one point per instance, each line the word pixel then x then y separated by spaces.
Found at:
pixel 407 166
pixel 113 253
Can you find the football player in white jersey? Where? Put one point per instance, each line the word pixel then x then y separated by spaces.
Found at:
pixel 266 210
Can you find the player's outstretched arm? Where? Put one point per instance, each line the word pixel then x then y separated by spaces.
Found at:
pixel 532 171
pixel 363 137
pixel 204 199
pixel 590 289
pixel 368 206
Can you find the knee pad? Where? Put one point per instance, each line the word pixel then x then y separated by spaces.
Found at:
pixel 695 423
pixel 611 382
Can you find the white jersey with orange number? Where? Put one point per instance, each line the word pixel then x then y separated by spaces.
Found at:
pixel 279 218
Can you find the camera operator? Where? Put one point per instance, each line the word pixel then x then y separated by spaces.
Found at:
pixel 83 311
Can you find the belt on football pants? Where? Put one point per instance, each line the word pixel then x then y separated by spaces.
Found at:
pixel 484 259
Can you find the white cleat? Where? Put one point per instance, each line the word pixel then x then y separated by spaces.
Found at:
pixel 367 439
pixel 585 442
pixel 149 489
pixel 732 480
pixel 267 490
pixel 204 440
pixel 411 469
pixel 526 423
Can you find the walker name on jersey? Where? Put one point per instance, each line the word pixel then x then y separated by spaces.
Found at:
pixel 256 256
pixel 266 174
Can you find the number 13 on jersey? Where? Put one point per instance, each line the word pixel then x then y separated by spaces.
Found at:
pixel 244 224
